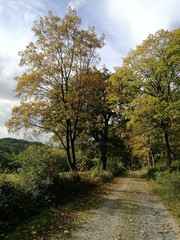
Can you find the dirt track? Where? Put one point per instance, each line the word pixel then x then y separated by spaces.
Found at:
pixel 130 212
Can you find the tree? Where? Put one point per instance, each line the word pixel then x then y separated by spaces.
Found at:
pixel 53 89
pixel 149 78
pixel 101 118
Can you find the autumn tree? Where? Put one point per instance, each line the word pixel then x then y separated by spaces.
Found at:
pixel 58 81
pixel 99 127
pixel 149 78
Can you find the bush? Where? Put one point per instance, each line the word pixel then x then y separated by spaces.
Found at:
pixel 16 204
pixel 152 171
pixel 98 176
pixel 22 199
pixel 66 186
pixel 38 184
pixel 115 167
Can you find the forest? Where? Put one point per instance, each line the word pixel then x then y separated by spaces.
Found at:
pixel 99 123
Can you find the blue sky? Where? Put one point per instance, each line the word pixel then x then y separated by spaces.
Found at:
pixel 124 23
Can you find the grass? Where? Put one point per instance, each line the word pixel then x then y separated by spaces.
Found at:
pixel 166 185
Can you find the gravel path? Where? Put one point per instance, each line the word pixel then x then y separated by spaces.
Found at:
pixel 130 212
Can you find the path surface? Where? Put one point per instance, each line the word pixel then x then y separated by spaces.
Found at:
pixel 130 212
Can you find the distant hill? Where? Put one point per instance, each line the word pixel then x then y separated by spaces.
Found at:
pixel 10 145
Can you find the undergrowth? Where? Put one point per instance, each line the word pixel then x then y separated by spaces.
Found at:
pixel 20 202
pixel 167 185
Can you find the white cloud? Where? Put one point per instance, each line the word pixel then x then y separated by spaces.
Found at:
pixel 5 111
pixel 75 4
pixel 142 16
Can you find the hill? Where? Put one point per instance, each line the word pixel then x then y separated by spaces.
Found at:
pixel 9 146
pixel 14 145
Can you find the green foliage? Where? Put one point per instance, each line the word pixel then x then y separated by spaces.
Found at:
pixel 152 171
pixel 27 196
pixel 13 145
pixel 115 167
pixel 39 184
pixel 170 181
pixel 37 163
pixel 5 162
pixel 99 176
pixel 148 85
pixel 9 148
pixel 59 155
pixel 167 186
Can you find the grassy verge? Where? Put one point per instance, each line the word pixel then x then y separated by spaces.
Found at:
pixel 166 185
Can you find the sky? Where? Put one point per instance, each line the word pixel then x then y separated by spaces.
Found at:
pixel 125 23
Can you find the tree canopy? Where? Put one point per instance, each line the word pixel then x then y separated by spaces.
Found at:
pixel 59 79
pixel 149 78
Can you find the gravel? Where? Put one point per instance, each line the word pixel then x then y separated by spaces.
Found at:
pixel 130 212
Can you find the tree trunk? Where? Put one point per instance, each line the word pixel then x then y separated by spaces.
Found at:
pixel 103 158
pixel 73 155
pixel 152 157
pixel 148 159
pixel 68 147
pixel 167 149
pixel 104 142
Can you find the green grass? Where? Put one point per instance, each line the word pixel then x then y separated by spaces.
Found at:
pixel 166 185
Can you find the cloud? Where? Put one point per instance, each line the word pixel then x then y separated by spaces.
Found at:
pixel 76 4
pixel 8 71
pixel 5 112
pixel 16 20
pixel 142 17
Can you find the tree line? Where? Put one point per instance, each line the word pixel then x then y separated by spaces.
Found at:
pixel 131 114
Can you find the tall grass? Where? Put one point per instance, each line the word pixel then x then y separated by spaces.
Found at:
pixel 167 185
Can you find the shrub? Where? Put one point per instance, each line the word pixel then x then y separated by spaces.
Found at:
pixel 66 186
pixel 16 204
pixel 98 176
pixel 152 171
pixel 20 200
pixel 115 167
